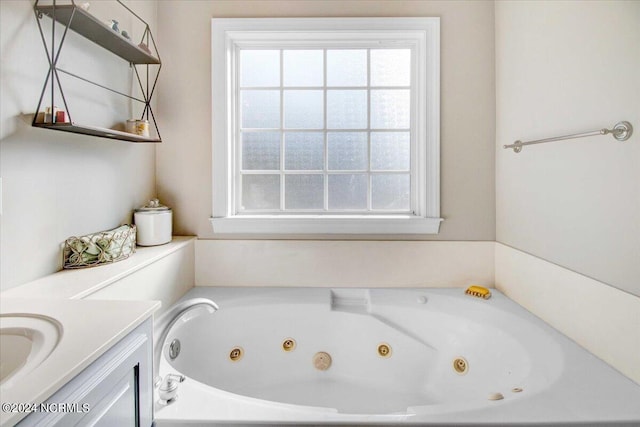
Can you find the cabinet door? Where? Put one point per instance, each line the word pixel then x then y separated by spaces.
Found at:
pixel 118 407
pixel 115 390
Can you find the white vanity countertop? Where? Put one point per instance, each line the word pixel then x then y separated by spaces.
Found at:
pixel 89 329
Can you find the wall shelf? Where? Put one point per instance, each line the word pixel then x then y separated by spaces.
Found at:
pixel 96 131
pixel 80 21
pixel 90 27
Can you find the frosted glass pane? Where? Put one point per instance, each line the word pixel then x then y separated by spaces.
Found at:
pixel 390 192
pixel 347 109
pixel 304 191
pixel 347 150
pixel 303 109
pixel 260 192
pixel 261 150
pixel 304 150
pixel 347 67
pixel 390 67
pixel 390 109
pixel 348 191
pixel 260 109
pixel 303 67
pixel 390 151
pixel 259 68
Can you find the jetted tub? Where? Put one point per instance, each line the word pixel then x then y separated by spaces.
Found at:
pixel 427 356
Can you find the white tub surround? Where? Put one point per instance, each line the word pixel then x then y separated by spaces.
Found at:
pixel 509 353
pixel 601 318
pixel 344 263
pixel 87 330
pixel 161 273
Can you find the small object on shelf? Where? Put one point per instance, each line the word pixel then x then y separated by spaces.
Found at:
pixel 154 224
pixel 49 114
pixel 125 34
pixel 144 47
pixel 130 126
pixel 100 248
pixel 142 128
pixel 85 6
pixel 61 116
pixel 113 24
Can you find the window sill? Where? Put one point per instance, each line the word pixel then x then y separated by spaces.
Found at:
pixel 296 224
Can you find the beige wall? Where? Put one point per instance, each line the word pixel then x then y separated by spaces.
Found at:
pixel 467 104
pixel 565 67
pixel 344 263
pixel 55 184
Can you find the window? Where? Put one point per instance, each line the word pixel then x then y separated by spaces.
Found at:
pixel 326 125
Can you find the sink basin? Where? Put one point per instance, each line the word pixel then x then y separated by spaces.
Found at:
pixel 25 342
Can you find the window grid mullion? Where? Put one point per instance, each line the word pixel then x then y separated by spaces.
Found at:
pixel 321 172
pixel 327 87
pixel 369 180
pixel 321 130
pixel 237 174
pixel 325 190
pixel 282 148
pixel 322 212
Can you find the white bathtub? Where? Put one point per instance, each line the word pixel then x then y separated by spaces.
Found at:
pixel 498 348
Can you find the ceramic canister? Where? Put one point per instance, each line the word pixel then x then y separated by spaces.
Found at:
pixel 153 222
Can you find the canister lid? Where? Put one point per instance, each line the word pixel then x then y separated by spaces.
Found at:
pixel 153 206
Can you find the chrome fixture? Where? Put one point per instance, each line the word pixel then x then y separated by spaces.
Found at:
pixel 166 321
pixel 621 132
pixel 174 349
pixel 168 391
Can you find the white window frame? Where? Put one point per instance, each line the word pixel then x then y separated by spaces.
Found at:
pixel 422 34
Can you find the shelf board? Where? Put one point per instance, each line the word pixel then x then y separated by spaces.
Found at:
pixel 93 29
pixel 96 131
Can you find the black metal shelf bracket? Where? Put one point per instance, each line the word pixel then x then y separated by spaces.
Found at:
pixel 88 26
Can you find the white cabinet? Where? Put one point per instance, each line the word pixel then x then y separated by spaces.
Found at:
pixel 115 390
